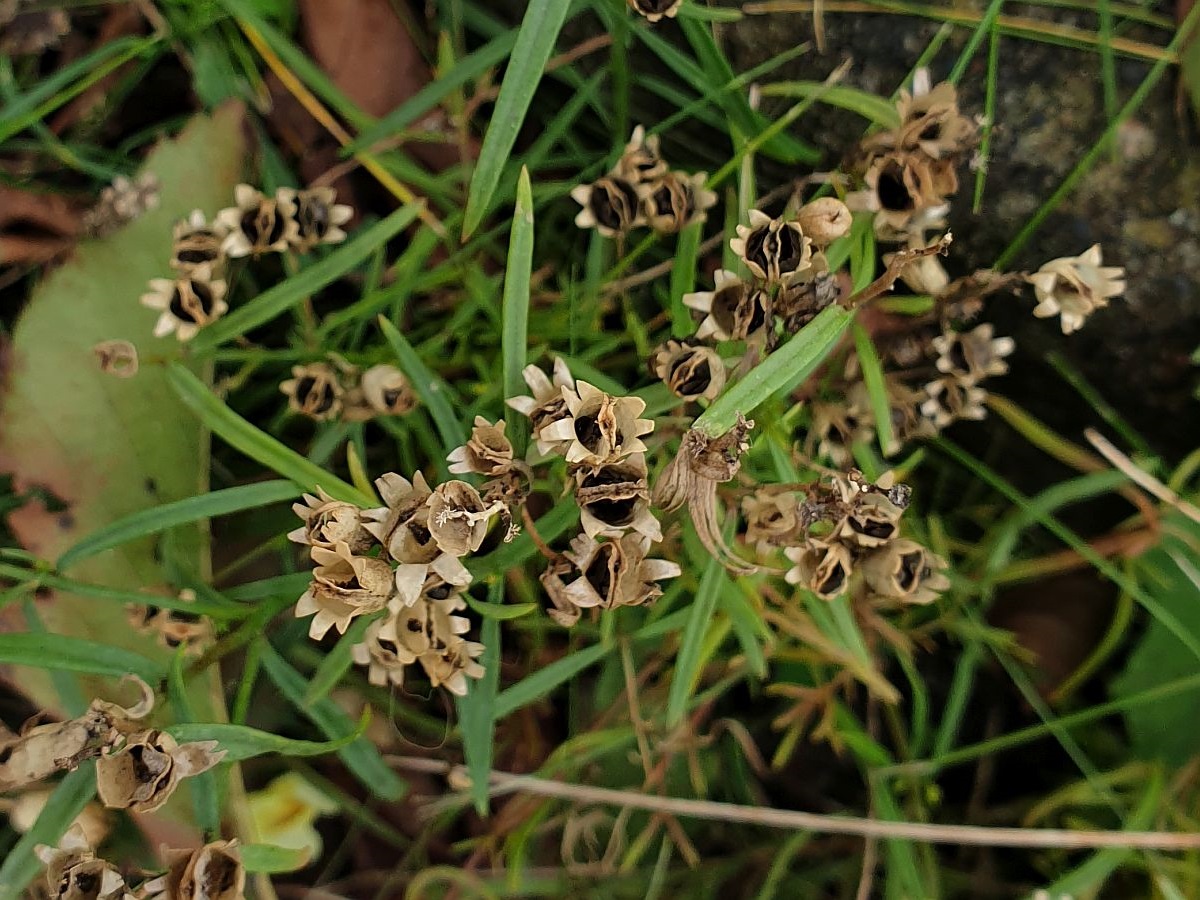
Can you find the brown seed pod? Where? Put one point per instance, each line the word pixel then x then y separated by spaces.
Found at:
pixel 402 526
pixel 547 403
pixel 143 774
pixel 904 570
pixel 821 567
pixel 611 205
pixel 74 873
pixel 971 356
pixel 317 215
pixel 458 517
pixel 344 586
pixel 258 224
pixel 488 452
pixel 691 372
pixel 314 391
pixel 774 250
pixel 641 160
pixel 196 244
pixel 606 574
pixel 599 428
pixel 187 304
pixel 614 498
pixel 214 872
pixel 675 201
pixel 1075 287
pixel 118 358
pixel 734 310
pixel 825 220
pixel 328 521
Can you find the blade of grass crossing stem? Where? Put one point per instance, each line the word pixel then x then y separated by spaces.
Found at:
pixel 360 755
pixel 337 661
pixel 789 364
pixel 68 654
pixel 255 443
pixel 872 371
pixel 514 341
pixel 241 742
pixel 203 788
pixel 159 518
pixel 67 801
pixel 535 41
pixel 683 279
pixel 430 389
pixel 690 661
pixel 903 873
pixel 279 299
pixel 477 710
pixel 544 680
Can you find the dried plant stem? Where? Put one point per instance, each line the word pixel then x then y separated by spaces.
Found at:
pixel 891 274
pixel 1140 476
pixel 972 835
pixel 532 531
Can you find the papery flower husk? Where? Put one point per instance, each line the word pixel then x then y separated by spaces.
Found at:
pixel 689 371
pixel 386 392
pixel 607 574
pixel 1075 287
pixel 214 872
pixel 735 310
pixel 314 391
pixel 257 224
pixel 488 452
pixel 318 217
pixel 822 567
pixel 601 428
pixel 641 160
pixel 801 301
pixel 328 521
pixel 950 399
pixel 675 201
pixel 971 356
pixel 144 773
pixel 402 526
pixel 615 497
pixel 74 873
pixel 656 10
pixel 772 519
pixel 451 665
pixel 118 358
pixel 40 751
pixel 904 570
pixel 824 220
pixel 872 521
pixel 187 303
pixel 692 477
pixel 902 185
pixel 610 204
pixel 458 517
pixel 383 652
pixel 546 405
pixel 196 244
pixel 774 250
pixel 344 586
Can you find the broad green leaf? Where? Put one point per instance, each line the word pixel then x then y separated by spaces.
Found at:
pixel 158 519
pixel 242 742
pixel 71 795
pixel 111 447
pixel 279 299
pixel 535 42
pixel 360 755
pixel 256 443
pixel 71 654
pixel 788 365
pixel 267 859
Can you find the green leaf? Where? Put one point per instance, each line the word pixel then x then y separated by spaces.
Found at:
pixel 514 339
pixel 158 519
pixel 789 364
pixel 535 42
pixel 872 372
pixel 205 794
pixel 240 742
pixel 71 795
pixel 690 661
pixel 279 299
pixel 255 443
pixel 360 755
pixel 544 680
pixel 502 613
pixel 71 654
pixel 430 389
pixel 508 556
pixel 683 278
pixel 871 107
pixel 337 662
pixel 267 859
pixel 477 710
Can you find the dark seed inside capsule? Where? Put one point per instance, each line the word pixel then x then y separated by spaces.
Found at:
pixel 690 378
pixel 599 573
pixel 893 195
pixel 587 431
pixel 910 569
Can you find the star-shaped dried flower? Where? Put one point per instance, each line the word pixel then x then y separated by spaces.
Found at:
pixel 450 663
pixel 488 452
pixel 691 372
pixel 196 243
pixel 317 215
pixel 187 303
pixel 402 526
pixel 143 774
pixel 655 10
pixel 675 200
pixel 214 872
pixel 383 651
pixel 458 517
pixel 971 356
pixel 872 520
pixel 328 521
pixel 772 519
pixel 930 121
pixel 734 310
pixel 314 391
pixel 950 399
pixel 823 567
pixel 773 249
pixel 641 160
pixel 344 586
pixel 904 189
pixel 257 224
pixel 600 428
pixel 387 391
pixel 904 570
pixel 547 404
pixel 607 574
pixel 614 498
pixel 1075 287
pixel 612 205
pixel 74 873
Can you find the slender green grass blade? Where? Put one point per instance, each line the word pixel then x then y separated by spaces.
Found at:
pixel 872 107
pixel 514 337
pixel 206 798
pixel 872 371
pixel 159 518
pixel 199 606
pixel 791 363
pixel 71 795
pixel 337 662
pixel 267 859
pixel 279 299
pixel 255 443
pixel 683 279
pixel 432 390
pixel 241 742
pixel 477 710
pixel 542 681
pixel 68 654
pixel 690 661
pixel 535 41
pixel 360 755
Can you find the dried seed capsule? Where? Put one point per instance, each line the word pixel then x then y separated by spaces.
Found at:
pixel 904 570
pixel 607 574
pixel 641 160
pixel 600 428
pixel 611 205
pixel 614 498
pixel 318 217
pixel 654 10
pixel 344 586
pixel 735 310
pixel 547 404
pixel 196 243
pixel 675 201
pixel 1075 287
pixel 314 391
pixel 118 358
pixel 458 517
pixel 971 356
pixel 825 220
pixel 949 399
pixel 387 391
pixel 328 521
pixel 774 250
pixel 144 773
pixel 187 304
pixel 691 372
pixel 214 872
pixel 258 224
pixel 489 452
pixel 821 567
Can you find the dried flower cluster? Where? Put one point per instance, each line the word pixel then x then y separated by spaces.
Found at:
pixel 337 390
pixel 75 872
pixel 656 10
pixel 642 191
pixel 136 768
pixel 842 536
pixel 292 220
pixel 120 203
